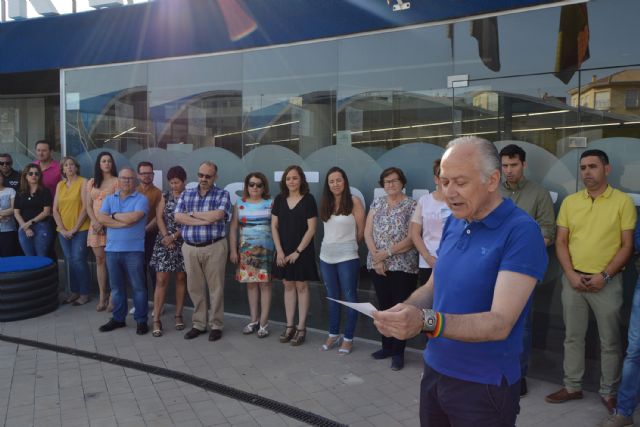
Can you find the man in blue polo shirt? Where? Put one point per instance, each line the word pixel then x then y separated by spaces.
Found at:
pixel 474 305
pixel 124 214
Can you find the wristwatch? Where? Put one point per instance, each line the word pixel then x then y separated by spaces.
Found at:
pixel 606 277
pixel 429 320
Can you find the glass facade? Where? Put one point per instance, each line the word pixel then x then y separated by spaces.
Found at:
pixel 372 101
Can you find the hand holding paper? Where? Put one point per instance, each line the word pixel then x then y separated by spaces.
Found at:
pixel 365 308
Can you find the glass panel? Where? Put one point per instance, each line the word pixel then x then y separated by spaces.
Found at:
pixel 197 102
pixel 289 97
pixel 106 108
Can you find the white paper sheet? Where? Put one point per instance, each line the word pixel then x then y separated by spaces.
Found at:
pixel 365 308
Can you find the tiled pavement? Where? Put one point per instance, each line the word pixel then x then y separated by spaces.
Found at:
pixel 44 388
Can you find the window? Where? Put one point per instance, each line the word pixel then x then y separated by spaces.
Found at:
pixel 632 98
pixel 602 100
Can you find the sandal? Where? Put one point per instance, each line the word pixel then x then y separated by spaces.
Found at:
pixel 263 331
pixel 331 342
pixel 102 304
pixel 157 328
pixel 287 334
pixel 71 298
pixel 179 322
pixel 250 328
pixel 346 347
pixel 299 337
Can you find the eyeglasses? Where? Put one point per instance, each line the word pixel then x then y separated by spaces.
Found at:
pixel 390 181
pixel 204 175
pixel 126 178
pixel 33 173
pixel 6 163
pixel 256 184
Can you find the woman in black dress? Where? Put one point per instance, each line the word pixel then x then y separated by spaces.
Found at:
pixel 294 218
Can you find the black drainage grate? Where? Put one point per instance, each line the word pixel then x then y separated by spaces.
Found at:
pixel 254 399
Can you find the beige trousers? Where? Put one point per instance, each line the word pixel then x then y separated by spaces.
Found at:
pixel 205 271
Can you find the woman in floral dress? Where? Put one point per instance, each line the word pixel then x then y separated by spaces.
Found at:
pixel 253 253
pixel 167 252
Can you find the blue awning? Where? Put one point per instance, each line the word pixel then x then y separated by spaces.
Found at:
pixel 170 28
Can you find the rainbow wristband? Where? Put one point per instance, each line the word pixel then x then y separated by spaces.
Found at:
pixel 437 331
pixel 439 325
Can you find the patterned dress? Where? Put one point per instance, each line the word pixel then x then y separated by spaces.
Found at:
pixel 256 245
pixel 390 226
pixel 164 259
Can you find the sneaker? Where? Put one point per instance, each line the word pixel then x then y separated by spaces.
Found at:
pixel 563 395
pixel 142 328
pixel 523 387
pixel 616 420
pixel 132 311
pixel 111 325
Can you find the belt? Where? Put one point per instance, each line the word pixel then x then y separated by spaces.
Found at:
pixel 199 245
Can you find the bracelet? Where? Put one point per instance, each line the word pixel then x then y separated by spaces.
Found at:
pixel 439 326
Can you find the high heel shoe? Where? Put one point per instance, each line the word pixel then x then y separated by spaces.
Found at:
pixel 287 334
pixel 299 337
pixel 157 328
pixel 331 342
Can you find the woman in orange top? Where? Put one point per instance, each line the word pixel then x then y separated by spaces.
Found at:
pixel 103 183
pixel 70 215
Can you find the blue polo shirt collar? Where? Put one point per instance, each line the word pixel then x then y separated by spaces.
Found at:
pixel 497 216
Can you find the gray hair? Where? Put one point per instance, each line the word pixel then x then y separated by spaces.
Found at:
pixel 489 157
pixel 210 164
pixel 127 168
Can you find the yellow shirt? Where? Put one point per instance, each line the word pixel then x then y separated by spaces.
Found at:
pixel 70 203
pixel 595 227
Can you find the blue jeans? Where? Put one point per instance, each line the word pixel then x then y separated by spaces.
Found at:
pixel 630 386
pixel 446 401
pixel 341 280
pixel 122 266
pixel 75 253
pixel 39 244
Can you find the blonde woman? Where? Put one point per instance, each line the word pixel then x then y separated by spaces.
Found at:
pixel 70 215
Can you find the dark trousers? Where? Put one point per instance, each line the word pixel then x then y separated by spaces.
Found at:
pixel 450 402
pixel 423 275
pixel 9 244
pixel 392 289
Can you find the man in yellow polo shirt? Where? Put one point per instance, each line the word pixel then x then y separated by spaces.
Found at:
pixel 594 241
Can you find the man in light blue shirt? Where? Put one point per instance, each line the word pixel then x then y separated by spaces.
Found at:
pixel 124 214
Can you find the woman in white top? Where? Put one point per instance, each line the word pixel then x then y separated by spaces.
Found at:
pixel 343 218
pixel 427 223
